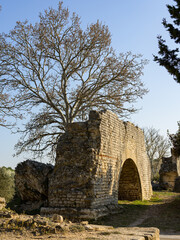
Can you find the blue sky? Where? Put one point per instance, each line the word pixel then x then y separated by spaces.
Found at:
pixel 134 26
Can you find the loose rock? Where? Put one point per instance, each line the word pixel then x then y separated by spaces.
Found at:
pixel 57 218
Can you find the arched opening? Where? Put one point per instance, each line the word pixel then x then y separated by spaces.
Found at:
pixel 129 182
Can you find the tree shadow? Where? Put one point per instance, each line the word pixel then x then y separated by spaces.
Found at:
pixel 161 214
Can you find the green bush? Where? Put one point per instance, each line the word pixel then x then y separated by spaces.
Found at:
pixel 7 186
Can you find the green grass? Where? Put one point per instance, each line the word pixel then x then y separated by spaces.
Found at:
pixel 142 203
pixel 157 198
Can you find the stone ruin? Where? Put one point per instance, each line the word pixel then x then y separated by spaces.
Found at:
pixel 98 162
pixel 170 174
pixel 31 181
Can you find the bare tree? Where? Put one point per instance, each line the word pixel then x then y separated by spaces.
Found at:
pixel 157 147
pixel 3 102
pixel 7 104
pixel 57 72
pixel 5 110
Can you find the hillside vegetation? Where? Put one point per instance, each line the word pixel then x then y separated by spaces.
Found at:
pixel 7 186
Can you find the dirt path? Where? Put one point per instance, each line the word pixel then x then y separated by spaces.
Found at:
pixel 167 212
pixel 143 217
pixel 163 212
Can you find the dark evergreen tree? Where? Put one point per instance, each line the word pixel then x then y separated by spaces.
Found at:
pixel 170 58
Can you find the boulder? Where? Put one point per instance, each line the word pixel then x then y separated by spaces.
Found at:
pixel 31 180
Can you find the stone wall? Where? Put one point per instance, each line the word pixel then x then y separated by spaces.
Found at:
pixel 168 173
pixel 98 162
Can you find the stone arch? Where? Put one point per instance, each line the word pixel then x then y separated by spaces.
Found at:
pixel 90 167
pixel 129 187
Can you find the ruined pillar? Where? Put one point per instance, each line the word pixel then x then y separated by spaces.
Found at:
pixel 86 179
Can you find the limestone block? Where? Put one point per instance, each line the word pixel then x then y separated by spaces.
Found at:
pixel 31 180
pixel 2 203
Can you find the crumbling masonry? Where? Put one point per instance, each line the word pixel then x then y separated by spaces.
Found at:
pixel 98 163
pixel 170 173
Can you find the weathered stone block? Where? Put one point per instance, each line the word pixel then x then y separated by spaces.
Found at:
pixel 31 180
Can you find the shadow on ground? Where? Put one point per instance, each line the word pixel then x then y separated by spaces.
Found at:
pixel 162 212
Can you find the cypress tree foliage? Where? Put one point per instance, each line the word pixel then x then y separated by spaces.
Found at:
pixel 170 58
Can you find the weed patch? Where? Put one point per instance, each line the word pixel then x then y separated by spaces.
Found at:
pixel 76 228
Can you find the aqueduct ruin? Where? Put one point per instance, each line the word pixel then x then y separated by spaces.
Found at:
pixel 98 162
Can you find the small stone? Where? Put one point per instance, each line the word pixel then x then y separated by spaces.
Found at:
pixel 84 222
pixel 58 228
pixel 57 218
pixel 2 200
pixel 34 224
pixel 89 227
pixel 8 215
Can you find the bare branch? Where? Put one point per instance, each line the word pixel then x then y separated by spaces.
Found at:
pixel 54 72
pixel 157 147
